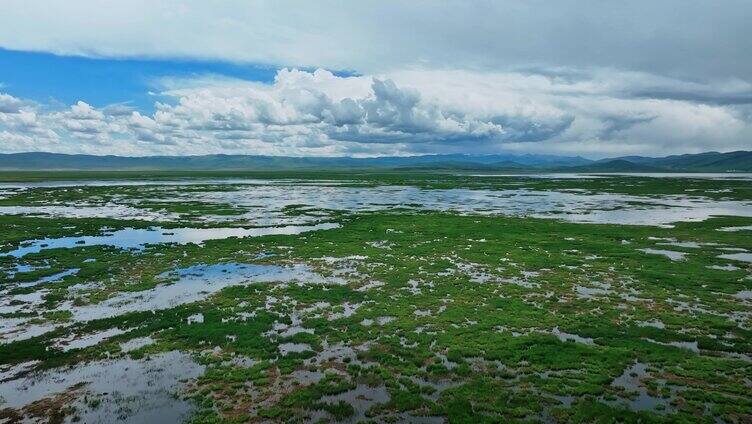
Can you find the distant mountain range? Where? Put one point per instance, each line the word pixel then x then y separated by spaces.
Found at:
pixel 740 161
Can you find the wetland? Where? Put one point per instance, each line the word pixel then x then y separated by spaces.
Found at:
pixel 375 298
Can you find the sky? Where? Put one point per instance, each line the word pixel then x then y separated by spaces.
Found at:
pixel 591 78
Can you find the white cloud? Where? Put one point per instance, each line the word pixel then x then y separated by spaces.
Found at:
pixel 407 112
pixel 9 104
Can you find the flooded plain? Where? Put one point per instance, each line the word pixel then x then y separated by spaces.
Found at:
pixel 269 203
pixel 376 299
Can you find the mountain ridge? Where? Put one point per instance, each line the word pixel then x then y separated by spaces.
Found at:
pixel 737 161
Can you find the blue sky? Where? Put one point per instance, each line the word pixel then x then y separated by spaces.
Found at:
pixel 48 78
pixel 184 77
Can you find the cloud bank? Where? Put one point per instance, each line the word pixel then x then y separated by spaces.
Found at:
pixel 696 39
pixel 571 77
pixel 601 112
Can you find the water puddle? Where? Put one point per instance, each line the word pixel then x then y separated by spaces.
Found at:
pixel 602 289
pixel 744 295
pixel 124 390
pixel 51 278
pixel 361 398
pixel 690 346
pixel 15 329
pixel 80 342
pixel 686 244
pixel 654 323
pixel 566 337
pixel 288 348
pixel 20 268
pixel 742 257
pixel 671 254
pixel 733 229
pixel 116 211
pixel 137 343
pixel 338 352
pixel 133 238
pixel 367 322
pixel 641 400
pixel 348 310
pixel 193 284
pixel 727 267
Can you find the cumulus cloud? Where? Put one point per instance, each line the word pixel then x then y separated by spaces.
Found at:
pixel 309 108
pixel 9 104
pixel 589 112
